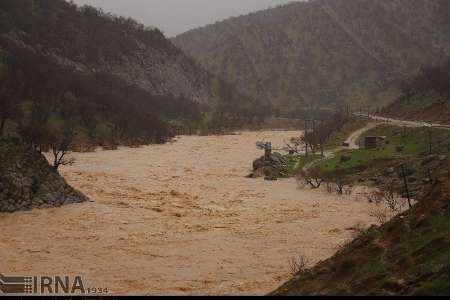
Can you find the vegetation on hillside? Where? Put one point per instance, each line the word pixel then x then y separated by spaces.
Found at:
pixel 383 166
pixel 425 96
pixel 41 98
pixel 86 35
pixel 76 77
pixel 406 256
pixel 324 52
pixel 322 136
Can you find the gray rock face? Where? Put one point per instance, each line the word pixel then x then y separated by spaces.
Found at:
pixel 27 181
pixel 161 74
pixel 158 72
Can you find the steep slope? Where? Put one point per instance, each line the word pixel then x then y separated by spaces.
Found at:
pixel 323 52
pixel 93 41
pixel 410 255
pixel 425 97
pixel 106 80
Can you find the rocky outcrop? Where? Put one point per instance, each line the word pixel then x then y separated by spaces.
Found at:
pixel 27 181
pixel 92 41
pixel 271 169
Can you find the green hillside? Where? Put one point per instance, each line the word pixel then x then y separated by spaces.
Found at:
pixel 325 52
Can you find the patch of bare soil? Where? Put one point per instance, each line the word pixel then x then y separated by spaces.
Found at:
pixel 181 219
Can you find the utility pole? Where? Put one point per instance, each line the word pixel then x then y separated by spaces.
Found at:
pixel 314 137
pixel 322 150
pixel 306 138
pixel 405 181
pixel 430 138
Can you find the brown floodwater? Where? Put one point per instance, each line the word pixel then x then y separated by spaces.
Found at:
pixel 180 218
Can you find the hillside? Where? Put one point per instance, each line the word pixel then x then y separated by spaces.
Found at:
pixel 406 256
pixel 425 97
pixel 409 255
pixel 104 80
pixel 323 52
pixel 94 41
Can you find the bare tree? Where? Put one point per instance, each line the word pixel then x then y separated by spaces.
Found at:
pixel 299 266
pixel 8 102
pixel 313 178
pixel 381 214
pixel 60 143
pixel 392 200
pixel 34 130
pixel 340 185
pixel 375 196
pixel 405 184
pixel 339 179
pixel 7 111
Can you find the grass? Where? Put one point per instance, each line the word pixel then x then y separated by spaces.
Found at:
pixel 297 162
pixel 387 260
pixel 410 254
pixel 415 141
pixel 338 138
pixel 359 159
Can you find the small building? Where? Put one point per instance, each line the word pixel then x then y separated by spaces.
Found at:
pixel 374 142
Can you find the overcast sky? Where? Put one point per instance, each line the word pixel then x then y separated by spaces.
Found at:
pixel 177 16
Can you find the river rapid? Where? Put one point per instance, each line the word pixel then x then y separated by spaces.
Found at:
pixel 180 219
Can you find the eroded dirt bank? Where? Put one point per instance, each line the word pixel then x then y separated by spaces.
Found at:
pixel 180 219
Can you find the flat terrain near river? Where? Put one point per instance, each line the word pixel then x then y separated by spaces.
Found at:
pixel 182 219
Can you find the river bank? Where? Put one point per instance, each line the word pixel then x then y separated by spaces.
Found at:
pixel 181 218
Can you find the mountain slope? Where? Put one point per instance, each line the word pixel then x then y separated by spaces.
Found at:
pixel 91 40
pixel 323 52
pixel 425 97
pixel 105 79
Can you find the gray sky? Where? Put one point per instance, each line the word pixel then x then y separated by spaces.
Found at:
pixel 177 16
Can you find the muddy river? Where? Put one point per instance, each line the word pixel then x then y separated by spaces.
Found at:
pixel 180 218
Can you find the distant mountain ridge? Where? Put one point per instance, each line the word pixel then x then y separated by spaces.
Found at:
pixel 324 52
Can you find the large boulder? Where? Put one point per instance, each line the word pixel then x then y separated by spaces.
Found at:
pixel 271 169
pixel 27 181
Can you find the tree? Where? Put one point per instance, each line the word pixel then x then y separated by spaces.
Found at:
pixel 314 177
pixel 34 129
pixel 8 99
pixel 8 109
pixel 60 141
pixel 339 179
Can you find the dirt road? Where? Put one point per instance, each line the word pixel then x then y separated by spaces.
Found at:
pixel 407 123
pixel 352 142
pixel 182 219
